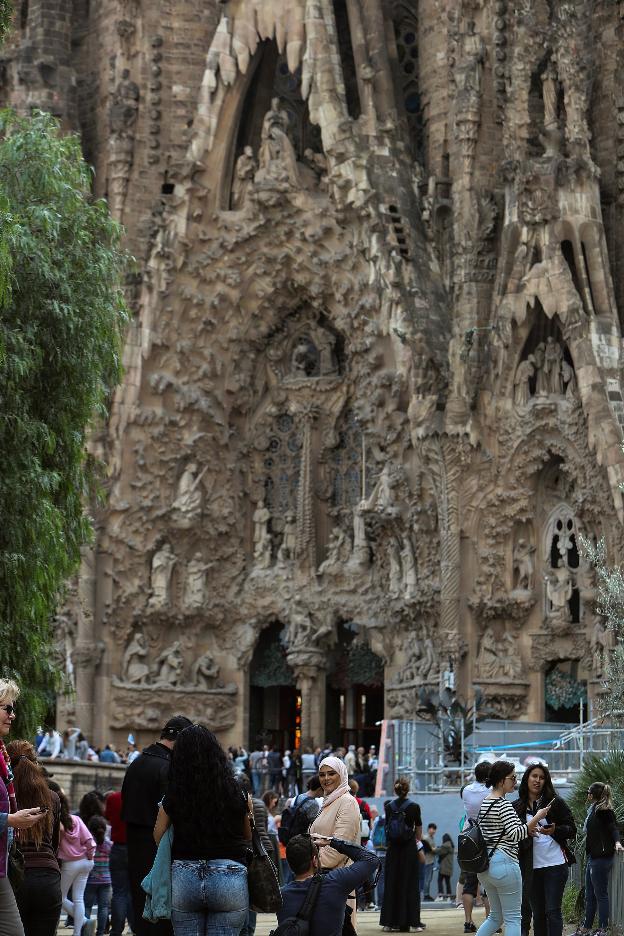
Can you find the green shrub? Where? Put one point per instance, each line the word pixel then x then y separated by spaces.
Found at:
pixel 570 904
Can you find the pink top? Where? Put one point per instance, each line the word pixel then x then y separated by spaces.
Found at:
pixel 77 843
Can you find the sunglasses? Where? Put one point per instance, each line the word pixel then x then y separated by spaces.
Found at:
pixel 9 709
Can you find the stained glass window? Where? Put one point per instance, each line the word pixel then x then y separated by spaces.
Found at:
pixel 347 463
pixel 282 464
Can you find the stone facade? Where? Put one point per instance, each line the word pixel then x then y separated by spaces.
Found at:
pixel 372 391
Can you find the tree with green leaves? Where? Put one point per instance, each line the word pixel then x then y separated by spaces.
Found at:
pixel 611 606
pixel 62 317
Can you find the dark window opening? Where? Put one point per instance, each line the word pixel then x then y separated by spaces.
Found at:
pixel 589 279
pixel 568 255
pixel 347 59
pixel 24 15
pixel 406 33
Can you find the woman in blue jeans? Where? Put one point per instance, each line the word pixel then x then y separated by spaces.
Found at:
pixel 601 843
pixel 503 831
pixel 211 838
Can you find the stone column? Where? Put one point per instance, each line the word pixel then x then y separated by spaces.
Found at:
pixel 310 681
pixel 88 653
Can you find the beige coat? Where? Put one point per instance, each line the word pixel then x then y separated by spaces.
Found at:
pixel 341 819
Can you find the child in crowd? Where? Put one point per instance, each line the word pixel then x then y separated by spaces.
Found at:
pixel 98 890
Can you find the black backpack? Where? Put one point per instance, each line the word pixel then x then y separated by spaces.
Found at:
pixel 299 925
pixel 295 820
pixel 473 856
pixel 398 832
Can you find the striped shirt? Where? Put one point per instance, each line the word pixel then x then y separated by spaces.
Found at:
pixel 498 816
pixel 101 871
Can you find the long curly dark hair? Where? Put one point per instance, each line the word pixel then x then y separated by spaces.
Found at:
pixel 548 790
pixel 90 805
pixel 31 788
pixel 204 799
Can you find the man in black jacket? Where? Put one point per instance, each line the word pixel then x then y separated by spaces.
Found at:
pixel 144 786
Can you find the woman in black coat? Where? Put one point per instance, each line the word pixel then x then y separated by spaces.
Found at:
pixel 401 901
pixel 601 843
pixel 544 858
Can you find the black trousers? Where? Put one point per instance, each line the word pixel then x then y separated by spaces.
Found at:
pixel 39 901
pixel 141 854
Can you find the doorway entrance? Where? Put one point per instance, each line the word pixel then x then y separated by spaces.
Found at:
pixel 355 691
pixel 274 703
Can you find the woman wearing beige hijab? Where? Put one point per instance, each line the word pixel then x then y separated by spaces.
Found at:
pixel 339 817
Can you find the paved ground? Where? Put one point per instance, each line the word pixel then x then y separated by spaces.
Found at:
pixel 438 923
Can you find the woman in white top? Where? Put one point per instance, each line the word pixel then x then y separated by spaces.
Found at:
pixel 502 831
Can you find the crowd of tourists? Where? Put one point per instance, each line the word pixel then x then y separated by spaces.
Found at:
pixel 73 745
pixel 193 844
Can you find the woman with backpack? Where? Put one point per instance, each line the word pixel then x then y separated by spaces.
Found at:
pixel 401 901
pixel 544 858
pixel 502 831
pixel 601 843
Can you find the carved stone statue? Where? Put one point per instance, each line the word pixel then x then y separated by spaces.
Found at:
pixel 288 545
pixel 553 356
pixel 246 167
pixel 471 57
pixel 422 661
pixel 524 372
pixel 170 666
pixel 304 358
pixel 277 160
pixel 133 669
pixel 195 583
pixel 511 664
pixel 361 553
pixel 541 388
pixel 302 633
pixel 523 565
pixel 559 584
pixel 262 537
pixel 489 665
pixel 188 501
pixel 569 380
pixel 410 577
pixel 204 672
pixel 396 570
pixel 382 498
pixel 338 550
pixel 124 105
pixel 162 568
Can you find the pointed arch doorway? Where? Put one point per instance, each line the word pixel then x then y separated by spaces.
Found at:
pixel 274 702
pixel 355 691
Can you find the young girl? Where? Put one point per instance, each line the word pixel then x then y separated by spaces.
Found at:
pixel 76 851
pixel 98 890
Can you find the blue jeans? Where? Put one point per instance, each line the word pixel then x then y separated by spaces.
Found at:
pixel 256 782
pixel 547 887
pixel 381 882
pixel 208 898
pixel 425 881
pixel 597 891
pixel 249 926
pixel 100 895
pixel 503 883
pixel 121 904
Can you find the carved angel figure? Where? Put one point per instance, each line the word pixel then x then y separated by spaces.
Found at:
pixel 133 669
pixel 188 501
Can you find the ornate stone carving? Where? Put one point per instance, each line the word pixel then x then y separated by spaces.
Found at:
pixel 262 537
pixel 195 583
pixel 187 506
pixel 163 562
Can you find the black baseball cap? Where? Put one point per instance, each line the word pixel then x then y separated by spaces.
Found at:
pixel 174 726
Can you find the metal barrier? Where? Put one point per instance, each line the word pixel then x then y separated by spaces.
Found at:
pixel 415 749
pixel 616 892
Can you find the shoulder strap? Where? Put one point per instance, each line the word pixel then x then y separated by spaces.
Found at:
pixel 500 837
pixel 485 815
pixel 308 904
